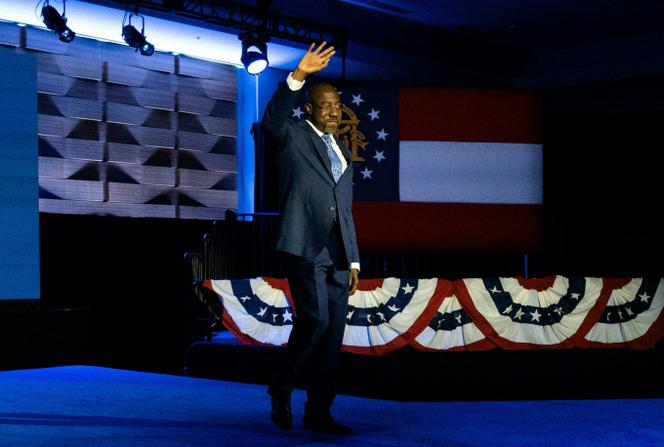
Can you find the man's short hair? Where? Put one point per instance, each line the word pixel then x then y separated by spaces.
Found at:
pixel 314 87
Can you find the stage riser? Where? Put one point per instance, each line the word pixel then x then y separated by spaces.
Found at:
pixel 411 375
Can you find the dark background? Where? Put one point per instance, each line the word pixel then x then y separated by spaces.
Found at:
pixel 116 292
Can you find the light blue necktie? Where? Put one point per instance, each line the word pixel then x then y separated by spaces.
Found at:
pixel 334 158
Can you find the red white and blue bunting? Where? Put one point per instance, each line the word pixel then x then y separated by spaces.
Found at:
pixel 469 314
pixel 518 314
pixel 451 329
pixel 632 318
pixel 385 315
pixel 256 311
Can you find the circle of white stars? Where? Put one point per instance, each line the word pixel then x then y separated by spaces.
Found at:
pixel 381 135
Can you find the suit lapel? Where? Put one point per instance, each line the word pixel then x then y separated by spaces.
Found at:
pixel 319 145
pixel 347 155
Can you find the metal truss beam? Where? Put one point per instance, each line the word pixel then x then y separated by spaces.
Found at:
pixel 264 20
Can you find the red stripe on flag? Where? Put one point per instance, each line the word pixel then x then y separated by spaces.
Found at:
pixel 437 114
pixel 427 227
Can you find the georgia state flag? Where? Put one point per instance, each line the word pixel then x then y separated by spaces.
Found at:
pixel 446 169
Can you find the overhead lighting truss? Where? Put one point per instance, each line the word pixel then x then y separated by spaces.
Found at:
pixel 263 19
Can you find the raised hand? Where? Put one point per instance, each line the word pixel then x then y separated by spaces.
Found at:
pixel 313 61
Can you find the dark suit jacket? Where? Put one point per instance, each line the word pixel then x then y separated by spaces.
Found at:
pixel 309 199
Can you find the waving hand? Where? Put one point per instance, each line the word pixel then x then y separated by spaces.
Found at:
pixel 313 61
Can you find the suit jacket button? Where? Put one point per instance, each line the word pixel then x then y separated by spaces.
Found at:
pixel 332 208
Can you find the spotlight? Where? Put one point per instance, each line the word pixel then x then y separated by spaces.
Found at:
pixel 57 23
pixel 134 38
pixel 254 54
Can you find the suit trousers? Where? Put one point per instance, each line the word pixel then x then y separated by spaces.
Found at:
pixel 319 287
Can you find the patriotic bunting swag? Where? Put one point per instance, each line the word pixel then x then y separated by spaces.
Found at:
pixel 469 314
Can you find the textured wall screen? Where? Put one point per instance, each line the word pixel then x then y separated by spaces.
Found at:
pixel 128 135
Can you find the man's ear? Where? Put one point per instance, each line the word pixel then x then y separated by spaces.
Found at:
pixel 308 108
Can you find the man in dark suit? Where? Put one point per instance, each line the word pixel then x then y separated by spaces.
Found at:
pixel 316 241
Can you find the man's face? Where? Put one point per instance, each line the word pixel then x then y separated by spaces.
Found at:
pixel 324 109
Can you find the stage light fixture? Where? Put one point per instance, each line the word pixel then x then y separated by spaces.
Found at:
pixel 56 22
pixel 254 54
pixel 133 37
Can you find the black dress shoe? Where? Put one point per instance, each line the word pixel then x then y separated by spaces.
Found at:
pixel 281 413
pixel 324 423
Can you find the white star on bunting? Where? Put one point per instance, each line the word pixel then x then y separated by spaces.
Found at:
pixel 519 314
pixel 245 298
pixel 287 316
pixel 535 315
pixel 408 289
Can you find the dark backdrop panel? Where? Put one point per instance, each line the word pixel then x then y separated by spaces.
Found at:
pixel 127 279
pixel 265 183
pixel 602 187
pixel 19 215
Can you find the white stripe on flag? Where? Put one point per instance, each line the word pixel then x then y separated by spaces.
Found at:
pixel 462 172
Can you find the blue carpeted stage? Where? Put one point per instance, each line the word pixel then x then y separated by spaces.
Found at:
pixel 84 406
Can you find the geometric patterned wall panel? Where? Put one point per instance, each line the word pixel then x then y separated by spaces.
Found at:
pixel 128 135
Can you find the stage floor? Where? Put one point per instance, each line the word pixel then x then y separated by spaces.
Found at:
pixel 90 406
